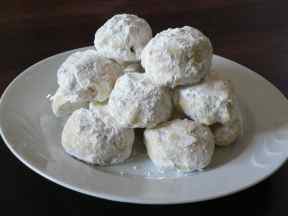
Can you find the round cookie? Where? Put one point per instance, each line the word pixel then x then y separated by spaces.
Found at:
pixel 88 76
pixel 178 56
pixel 123 37
pixel 211 101
pixel 83 77
pixel 94 137
pixel 181 144
pixel 136 103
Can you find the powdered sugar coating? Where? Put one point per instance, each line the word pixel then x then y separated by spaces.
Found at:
pixel 87 76
pixel 181 144
pixel 123 37
pixel 135 102
pixel 227 133
pixel 211 101
pixel 62 105
pixel 178 56
pixel 94 137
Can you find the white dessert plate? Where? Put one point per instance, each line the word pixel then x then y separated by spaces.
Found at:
pixel 32 133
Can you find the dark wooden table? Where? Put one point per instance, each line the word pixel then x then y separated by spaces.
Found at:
pixel 252 32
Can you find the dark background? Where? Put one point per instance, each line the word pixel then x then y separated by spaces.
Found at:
pixel 252 32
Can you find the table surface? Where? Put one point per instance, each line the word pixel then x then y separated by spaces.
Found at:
pixel 251 32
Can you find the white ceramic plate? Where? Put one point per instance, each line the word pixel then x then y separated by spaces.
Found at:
pixel 32 133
